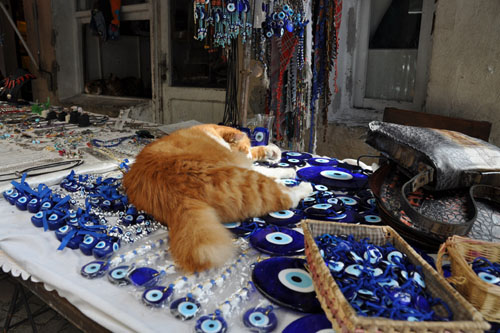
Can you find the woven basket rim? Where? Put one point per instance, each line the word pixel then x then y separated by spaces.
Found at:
pixel 476 323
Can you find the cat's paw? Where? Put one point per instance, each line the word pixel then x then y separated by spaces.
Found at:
pixel 299 192
pixel 273 152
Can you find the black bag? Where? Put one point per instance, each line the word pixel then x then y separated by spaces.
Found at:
pixel 438 161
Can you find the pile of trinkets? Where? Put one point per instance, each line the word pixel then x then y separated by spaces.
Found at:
pixel 486 270
pixel 380 281
pixel 86 212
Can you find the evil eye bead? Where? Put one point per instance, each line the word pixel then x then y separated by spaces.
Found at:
pixel 261 320
pixel 296 279
pixel 367 295
pixel 489 278
pixel 37 219
pixel 128 220
pixel 335 266
pixel 185 308
pixel 211 324
pixel 278 241
pixel 156 296
pixel 22 203
pixel 33 205
pixel 285 281
pixel 336 175
pixel 94 269
pixel 395 257
pixel 320 188
pixel 8 193
pixel 231 7
pixel 284 217
pixel 354 270
pixel 372 219
pixel 418 279
pixel 390 283
pixel 281 15
pixel 73 222
pixel 74 242
pixel 54 221
pixel 400 298
pixel 144 276
pixel 354 257
pixel 289 182
pixel 348 201
pixel 102 249
pixel 46 205
pixel 87 245
pixel 62 231
pixel 279 238
pixel 318 161
pixel 118 275
pixel 105 205
pixel 372 254
pixel 140 218
pixel 269 33
pixel 12 197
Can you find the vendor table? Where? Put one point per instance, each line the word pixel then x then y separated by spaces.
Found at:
pixel 31 255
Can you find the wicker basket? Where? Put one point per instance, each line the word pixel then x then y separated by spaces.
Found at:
pixel 461 252
pixel 345 319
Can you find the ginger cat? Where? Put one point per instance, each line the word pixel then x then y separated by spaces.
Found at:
pixel 197 178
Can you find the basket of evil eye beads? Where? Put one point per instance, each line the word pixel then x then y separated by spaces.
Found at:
pixel 368 279
pixel 475 272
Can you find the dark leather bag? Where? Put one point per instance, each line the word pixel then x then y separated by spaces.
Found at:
pixel 439 160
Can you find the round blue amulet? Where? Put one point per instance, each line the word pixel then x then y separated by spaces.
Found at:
pixel 8 193
pixel 261 320
pixel 94 269
pixel 87 245
pixel 156 296
pixel 118 275
pixel 185 308
pixel 211 324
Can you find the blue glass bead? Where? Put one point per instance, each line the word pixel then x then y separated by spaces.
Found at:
pixel 260 320
pixel 157 296
pixel 73 222
pixel 75 241
pixel 335 266
pixel 278 241
pixel 105 205
pixel 12 197
pixel 354 270
pixel 184 308
pixel 54 221
pixel 139 219
pixel 127 220
pixel 103 249
pixel 62 231
pixel 400 298
pixel 284 217
pixel 119 275
pixel 286 281
pixel 144 276
pixel 46 205
pixel 211 324
pixel 313 323
pixel 37 219
pixel 87 245
pixel 22 202
pixel 8 193
pixel 321 161
pixel 94 269
pixel 372 254
pixel 34 205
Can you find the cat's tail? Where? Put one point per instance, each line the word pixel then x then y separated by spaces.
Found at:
pixel 198 240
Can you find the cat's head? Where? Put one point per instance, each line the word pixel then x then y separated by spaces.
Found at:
pixel 94 87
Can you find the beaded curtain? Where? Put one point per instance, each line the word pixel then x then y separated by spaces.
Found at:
pixel 279 36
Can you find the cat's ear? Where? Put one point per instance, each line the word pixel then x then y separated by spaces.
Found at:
pixel 234 136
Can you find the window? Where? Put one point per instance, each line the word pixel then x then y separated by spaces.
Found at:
pixel 195 63
pixel 120 67
pixel 393 53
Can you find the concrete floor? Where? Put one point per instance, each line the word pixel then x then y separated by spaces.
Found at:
pixel 48 321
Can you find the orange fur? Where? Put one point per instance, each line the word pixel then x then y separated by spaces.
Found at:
pixel 197 178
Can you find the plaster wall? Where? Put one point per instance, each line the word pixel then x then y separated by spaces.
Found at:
pixel 465 63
